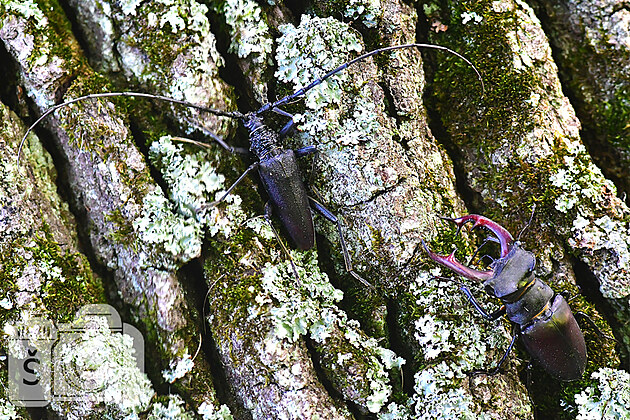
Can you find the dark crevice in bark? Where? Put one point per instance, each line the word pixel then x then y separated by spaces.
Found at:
pixel 589 288
pixel 230 72
pixel 194 284
pixel 398 345
pixel 594 138
pixel 9 88
pixel 323 380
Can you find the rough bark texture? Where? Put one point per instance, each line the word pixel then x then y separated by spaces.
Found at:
pixel 229 330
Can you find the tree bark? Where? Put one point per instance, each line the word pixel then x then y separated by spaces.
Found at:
pixel 402 138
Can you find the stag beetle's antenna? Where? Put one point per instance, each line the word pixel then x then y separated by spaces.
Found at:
pixel 231 114
pixel 529 222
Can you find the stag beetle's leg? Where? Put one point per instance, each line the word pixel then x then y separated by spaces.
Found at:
pixel 581 315
pixel 505 237
pixel 489 317
pixel 346 256
pixel 497 369
pixel 485 241
pixel 229 190
pixel 268 211
pixel 449 261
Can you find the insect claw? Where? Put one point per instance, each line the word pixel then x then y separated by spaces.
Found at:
pixel 451 262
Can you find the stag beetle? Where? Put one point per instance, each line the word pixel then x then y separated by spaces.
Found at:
pixel 542 318
pixel 277 166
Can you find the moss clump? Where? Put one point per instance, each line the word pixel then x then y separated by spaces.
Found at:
pixel 63 281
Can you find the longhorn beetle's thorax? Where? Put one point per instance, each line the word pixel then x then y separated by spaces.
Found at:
pixel 264 142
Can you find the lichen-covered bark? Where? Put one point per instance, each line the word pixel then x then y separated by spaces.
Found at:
pixel 592 42
pixel 322 344
pixel 519 145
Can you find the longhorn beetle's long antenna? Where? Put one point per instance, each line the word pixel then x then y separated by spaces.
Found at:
pixel 237 114
pixel 302 91
pixel 231 114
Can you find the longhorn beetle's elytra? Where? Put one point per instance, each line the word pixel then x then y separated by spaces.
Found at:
pixel 276 165
pixel 542 318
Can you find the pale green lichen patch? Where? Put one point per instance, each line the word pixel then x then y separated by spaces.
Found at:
pixel 307 52
pixel 310 309
pixel 107 359
pixel 176 225
pixel 177 238
pixel 368 11
pixel 172 409
pixel 209 411
pixel 92 364
pixel 194 184
pixel 609 399
pixel 453 342
pixel 28 9
pixel 249 32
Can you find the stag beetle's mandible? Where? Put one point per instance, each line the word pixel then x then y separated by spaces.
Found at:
pixel 543 318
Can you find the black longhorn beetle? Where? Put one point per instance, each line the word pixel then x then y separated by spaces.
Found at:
pixel 276 165
pixel 542 318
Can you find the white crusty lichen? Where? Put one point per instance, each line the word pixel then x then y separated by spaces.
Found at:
pixel 577 179
pixel 310 308
pixel 209 411
pixel 178 368
pixel 8 411
pixel 437 393
pixel 173 410
pixel 310 50
pixel 28 9
pixel 610 399
pixel 602 240
pixel 176 226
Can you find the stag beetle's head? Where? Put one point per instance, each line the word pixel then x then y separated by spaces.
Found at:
pixel 511 274
pixel 508 275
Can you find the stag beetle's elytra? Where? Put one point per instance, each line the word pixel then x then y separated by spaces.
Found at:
pixel 277 166
pixel 543 319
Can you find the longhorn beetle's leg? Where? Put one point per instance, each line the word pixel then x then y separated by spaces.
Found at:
pixel 229 190
pixel 231 149
pixel 505 237
pixel 268 211
pixel 471 298
pixel 289 125
pixel 449 261
pixel 238 150
pixel 346 256
pixel 503 359
pixel 306 150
